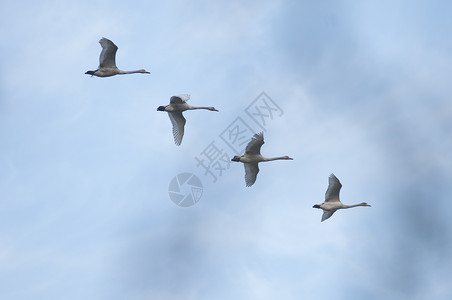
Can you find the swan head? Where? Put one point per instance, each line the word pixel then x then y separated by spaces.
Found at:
pixel 365 204
pixel 316 206
pixel 161 108
pixel 287 157
pixel 213 109
pixel 236 158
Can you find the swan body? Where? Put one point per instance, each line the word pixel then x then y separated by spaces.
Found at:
pixel 107 65
pixel 178 104
pixel 253 157
pixel 332 202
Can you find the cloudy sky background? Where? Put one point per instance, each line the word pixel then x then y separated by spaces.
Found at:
pixel 85 162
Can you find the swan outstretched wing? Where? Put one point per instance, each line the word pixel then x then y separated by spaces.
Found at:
pixel 179 99
pixel 178 121
pixel 251 170
pixel 254 146
pixel 334 186
pixel 327 214
pixel 108 54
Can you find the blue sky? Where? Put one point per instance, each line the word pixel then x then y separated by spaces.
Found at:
pixel 85 162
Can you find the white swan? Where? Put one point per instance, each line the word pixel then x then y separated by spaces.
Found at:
pixel 332 202
pixel 253 156
pixel 107 66
pixel 175 108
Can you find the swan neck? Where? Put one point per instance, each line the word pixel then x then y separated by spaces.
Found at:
pixel 353 205
pixel 199 107
pixel 275 158
pixel 132 72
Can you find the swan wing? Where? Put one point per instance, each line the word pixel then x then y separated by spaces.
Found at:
pixel 108 54
pixel 254 146
pixel 251 170
pixel 334 186
pixel 178 121
pixel 327 214
pixel 179 99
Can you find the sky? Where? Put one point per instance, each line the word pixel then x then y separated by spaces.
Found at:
pixel 362 90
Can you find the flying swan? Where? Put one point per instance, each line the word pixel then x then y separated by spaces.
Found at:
pixel 253 156
pixel 177 105
pixel 107 66
pixel 332 202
